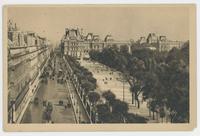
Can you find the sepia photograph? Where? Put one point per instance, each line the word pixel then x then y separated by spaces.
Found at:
pixel 99 65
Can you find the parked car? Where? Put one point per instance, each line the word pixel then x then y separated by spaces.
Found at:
pixel 36 100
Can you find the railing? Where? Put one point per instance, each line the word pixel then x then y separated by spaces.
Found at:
pixel 20 97
pixel 77 88
pixel 17 56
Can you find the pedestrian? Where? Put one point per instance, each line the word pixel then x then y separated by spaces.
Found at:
pixel 44 102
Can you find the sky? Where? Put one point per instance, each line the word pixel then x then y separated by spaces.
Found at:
pixel 122 22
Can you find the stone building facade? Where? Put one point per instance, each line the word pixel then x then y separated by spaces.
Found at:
pixel 160 43
pixel 167 45
pixel 27 54
pixel 77 45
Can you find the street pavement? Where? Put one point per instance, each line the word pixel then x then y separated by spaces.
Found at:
pixel 52 92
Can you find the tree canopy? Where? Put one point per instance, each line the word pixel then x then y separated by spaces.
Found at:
pixel 162 77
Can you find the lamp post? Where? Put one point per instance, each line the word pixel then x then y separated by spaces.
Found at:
pixel 124 75
pixel 123 89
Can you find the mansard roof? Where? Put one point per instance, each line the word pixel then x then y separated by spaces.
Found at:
pixel 108 38
pixel 72 34
pixel 89 36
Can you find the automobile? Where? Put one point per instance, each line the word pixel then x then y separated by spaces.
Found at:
pixel 36 100
pixel 60 102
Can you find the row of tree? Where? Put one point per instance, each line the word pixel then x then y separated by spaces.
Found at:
pixel 114 110
pixel 162 78
pixel 85 77
pixel 88 84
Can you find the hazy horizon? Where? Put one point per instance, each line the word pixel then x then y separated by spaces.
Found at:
pixel 123 23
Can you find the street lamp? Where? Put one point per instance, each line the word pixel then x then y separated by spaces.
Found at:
pixel 124 75
pixel 123 89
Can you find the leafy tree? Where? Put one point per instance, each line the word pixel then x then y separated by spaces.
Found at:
pixel 136 69
pixel 93 97
pixel 153 107
pixel 146 55
pixel 115 118
pixel 103 113
pixel 162 113
pixel 88 86
pixel 133 118
pixel 136 65
pixel 174 76
pixel 92 79
pixel 136 89
pixel 94 55
pixel 109 96
pixel 105 116
pixel 122 60
pixel 119 107
pixel 124 50
pixel 185 52
pixel 174 54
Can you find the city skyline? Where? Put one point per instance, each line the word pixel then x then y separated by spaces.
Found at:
pixel 46 22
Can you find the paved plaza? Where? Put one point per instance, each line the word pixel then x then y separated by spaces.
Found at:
pixel 110 79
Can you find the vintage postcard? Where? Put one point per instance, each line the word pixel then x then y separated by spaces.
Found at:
pixel 99 67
